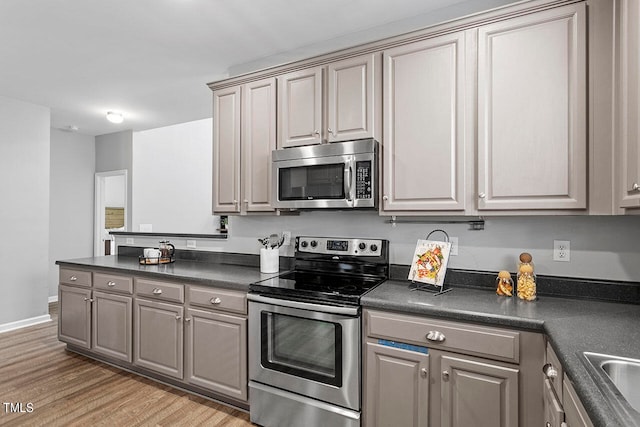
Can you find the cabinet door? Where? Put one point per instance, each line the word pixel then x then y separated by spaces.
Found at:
pixel 216 352
pixel 397 387
pixel 258 140
pixel 424 131
pixel 532 111
pixel 575 414
pixel 226 150
pixel 553 413
pixel 628 76
pixel 300 108
pixel 111 327
pixel 477 393
pixel 158 335
pixel 74 324
pixel 353 99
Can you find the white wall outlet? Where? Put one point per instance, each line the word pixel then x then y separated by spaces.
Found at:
pixel 129 240
pixel 562 250
pixel 191 244
pixel 287 238
pixel 454 245
pixel 146 228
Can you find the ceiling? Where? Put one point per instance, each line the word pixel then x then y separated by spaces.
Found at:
pixel 151 59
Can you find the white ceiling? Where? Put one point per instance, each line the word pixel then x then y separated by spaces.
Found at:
pixel 151 59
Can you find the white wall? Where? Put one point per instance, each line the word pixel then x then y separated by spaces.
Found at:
pixel 72 200
pixel 24 215
pixel 603 247
pixel 114 191
pixel 172 178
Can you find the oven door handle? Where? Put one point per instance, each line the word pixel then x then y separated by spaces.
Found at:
pixel 347 311
pixel 348 180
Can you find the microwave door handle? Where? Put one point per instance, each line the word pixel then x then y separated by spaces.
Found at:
pixel 348 180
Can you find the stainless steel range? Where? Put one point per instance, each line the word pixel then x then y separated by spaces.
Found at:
pixel 305 333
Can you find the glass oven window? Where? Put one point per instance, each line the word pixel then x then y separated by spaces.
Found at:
pixel 312 182
pixel 303 347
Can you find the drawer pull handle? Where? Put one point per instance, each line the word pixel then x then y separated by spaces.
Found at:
pixel 423 372
pixel 445 375
pixel 111 284
pixel 549 371
pixel 157 291
pixel 635 187
pixel 215 300
pixel 435 336
pixel 73 278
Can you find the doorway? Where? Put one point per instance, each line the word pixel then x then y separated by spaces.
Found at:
pixel 111 210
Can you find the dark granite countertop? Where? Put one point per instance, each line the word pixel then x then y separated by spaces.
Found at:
pixel 572 325
pixel 227 276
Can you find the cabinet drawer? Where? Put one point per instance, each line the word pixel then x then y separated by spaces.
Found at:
pixel 113 283
pixel 160 290
pixel 75 277
pixel 494 343
pixel 218 299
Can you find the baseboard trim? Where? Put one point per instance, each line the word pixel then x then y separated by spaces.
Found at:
pixel 12 326
pixel 53 299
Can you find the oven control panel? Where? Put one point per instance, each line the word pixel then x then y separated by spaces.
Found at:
pixel 339 246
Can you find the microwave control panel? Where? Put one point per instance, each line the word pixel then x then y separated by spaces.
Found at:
pixel 363 180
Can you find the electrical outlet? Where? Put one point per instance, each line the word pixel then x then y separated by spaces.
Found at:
pixel 191 244
pixel 454 245
pixel 287 238
pixel 562 250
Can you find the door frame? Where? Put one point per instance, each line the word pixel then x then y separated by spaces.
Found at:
pixel 98 246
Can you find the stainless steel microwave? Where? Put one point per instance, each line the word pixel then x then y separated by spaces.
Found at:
pixel 341 175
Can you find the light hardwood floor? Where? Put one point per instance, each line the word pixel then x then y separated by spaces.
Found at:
pixel 68 389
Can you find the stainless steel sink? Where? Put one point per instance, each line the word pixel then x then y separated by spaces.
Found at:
pixel 619 380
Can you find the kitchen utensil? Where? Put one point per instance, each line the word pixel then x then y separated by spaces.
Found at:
pixel 273 241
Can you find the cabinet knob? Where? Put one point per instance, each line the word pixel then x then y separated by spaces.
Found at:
pixel 316 133
pixel 89 299
pixel 331 132
pixel 423 372
pixel 436 336
pixel 246 202
pixel 157 291
pixel 549 371
pixel 215 300
pixel 187 319
pixel 445 375
pixel 635 187
pixel 73 278
pixel 235 203
pixel 178 317
pixel 385 198
pixel 482 196
pixel 111 284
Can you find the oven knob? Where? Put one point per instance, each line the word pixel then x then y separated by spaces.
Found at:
pixel 314 243
pixel 362 246
pixel 304 243
pixel 374 248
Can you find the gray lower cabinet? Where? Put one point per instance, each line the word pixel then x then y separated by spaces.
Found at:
pixel 74 322
pixel 216 352
pixel 476 392
pixel 158 337
pixel 470 375
pixel 111 325
pixel 397 384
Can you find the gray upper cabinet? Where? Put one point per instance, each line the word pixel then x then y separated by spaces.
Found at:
pixel 353 98
pixel 226 150
pixel 300 108
pixel 627 101
pixel 532 143
pixel 424 95
pixel 338 102
pixel 244 135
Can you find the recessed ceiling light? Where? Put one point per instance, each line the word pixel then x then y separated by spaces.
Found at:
pixel 114 117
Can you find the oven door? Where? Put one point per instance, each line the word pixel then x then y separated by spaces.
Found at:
pixel 309 349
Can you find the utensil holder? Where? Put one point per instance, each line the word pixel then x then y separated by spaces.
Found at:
pixel 269 260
